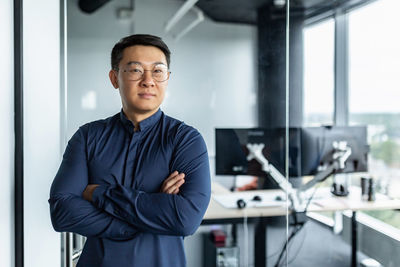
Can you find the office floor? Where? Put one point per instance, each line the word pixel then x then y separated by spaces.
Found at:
pixel 315 245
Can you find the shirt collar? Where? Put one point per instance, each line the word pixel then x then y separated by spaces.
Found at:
pixel 143 125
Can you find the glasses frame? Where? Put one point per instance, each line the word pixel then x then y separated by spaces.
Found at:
pixel 152 75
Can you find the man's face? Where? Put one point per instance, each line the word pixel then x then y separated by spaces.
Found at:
pixel 145 95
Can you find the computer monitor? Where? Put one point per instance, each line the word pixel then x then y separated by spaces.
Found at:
pixel 310 149
pixel 231 150
pixel 317 148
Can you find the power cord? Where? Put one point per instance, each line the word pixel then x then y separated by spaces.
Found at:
pixel 294 232
pixel 297 228
pixel 301 245
pixel 246 238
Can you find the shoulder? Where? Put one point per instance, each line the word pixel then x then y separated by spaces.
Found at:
pixel 184 135
pixel 94 128
pixel 179 129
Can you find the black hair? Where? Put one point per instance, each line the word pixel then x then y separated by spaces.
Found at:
pixel 137 39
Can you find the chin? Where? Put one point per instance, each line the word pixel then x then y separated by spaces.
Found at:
pixel 144 110
pixel 143 106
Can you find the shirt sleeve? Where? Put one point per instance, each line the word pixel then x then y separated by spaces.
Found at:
pixel 161 213
pixel 69 211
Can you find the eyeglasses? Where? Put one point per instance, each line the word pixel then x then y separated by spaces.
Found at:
pixel 135 72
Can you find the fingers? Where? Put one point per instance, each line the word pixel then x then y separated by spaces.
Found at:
pixel 176 191
pixel 172 179
pixel 175 187
pixel 175 173
pixel 171 176
pixel 172 183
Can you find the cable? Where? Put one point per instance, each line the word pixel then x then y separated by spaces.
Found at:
pixel 311 197
pixel 246 238
pixel 274 253
pixel 297 228
pixel 301 245
pixel 295 231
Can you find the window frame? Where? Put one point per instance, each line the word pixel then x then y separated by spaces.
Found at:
pixel 340 15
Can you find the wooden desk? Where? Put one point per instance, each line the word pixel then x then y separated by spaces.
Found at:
pixel 216 211
pixel 217 214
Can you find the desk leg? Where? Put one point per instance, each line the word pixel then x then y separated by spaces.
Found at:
pixel 354 240
pixel 260 244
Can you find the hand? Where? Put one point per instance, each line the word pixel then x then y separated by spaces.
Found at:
pixel 253 185
pixel 88 192
pixel 172 184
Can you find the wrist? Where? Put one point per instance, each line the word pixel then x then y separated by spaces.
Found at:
pixel 97 195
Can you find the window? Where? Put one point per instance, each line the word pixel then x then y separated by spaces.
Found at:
pixel 374 90
pixel 319 73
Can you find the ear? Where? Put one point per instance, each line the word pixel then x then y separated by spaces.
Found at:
pixel 113 78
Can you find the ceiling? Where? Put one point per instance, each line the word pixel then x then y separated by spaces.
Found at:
pixel 245 11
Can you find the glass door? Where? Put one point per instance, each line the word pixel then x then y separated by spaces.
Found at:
pixel 227 73
pixel 7 134
pixel 347 78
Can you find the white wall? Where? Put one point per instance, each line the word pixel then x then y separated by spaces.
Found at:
pixel 6 134
pixel 213 81
pixel 42 156
pixel 89 43
pixel 214 68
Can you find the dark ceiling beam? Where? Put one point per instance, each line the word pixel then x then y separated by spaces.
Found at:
pixel 245 12
pixel 90 6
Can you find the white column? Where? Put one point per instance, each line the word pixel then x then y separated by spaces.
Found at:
pixel 41 53
pixel 6 134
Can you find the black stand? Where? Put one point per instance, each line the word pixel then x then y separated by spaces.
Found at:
pixel 260 243
pixel 354 239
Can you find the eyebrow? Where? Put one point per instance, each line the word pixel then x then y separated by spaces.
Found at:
pixel 139 63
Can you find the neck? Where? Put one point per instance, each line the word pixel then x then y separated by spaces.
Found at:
pixel 137 117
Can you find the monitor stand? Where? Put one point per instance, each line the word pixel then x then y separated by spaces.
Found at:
pixel 341 152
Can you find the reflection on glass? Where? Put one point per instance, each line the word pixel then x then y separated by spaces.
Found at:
pixel 374 87
pixel 374 92
pixel 319 73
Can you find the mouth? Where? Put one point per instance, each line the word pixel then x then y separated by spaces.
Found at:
pixel 146 95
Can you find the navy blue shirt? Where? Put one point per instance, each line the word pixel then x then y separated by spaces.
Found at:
pixel 129 222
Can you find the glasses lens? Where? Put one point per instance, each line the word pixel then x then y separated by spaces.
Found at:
pixel 134 72
pixel 160 73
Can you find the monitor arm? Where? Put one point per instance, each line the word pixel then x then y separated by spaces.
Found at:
pixel 255 152
pixel 340 155
pixel 341 152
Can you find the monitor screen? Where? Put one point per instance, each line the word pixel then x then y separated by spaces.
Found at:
pixel 317 148
pixel 310 148
pixel 231 150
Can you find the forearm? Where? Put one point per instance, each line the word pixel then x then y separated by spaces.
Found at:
pixel 161 213
pixel 158 213
pixel 71 213
pixel 68 210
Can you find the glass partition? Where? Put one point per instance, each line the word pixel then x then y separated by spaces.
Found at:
pixel 349 66
pixel 7 252
pixel 228 71
pixel 374 82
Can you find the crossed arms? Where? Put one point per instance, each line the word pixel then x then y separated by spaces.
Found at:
pixel 119 212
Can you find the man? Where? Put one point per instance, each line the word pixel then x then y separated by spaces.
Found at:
pixel 135 183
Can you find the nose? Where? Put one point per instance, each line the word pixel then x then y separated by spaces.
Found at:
pixel 147 79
